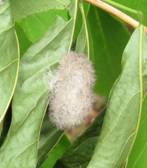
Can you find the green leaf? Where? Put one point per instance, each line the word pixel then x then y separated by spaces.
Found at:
pixel 138 5
pixel 106 47
pixel 24 42
pixel 82 45
pixel 23 8
pixel 33 27
pixel 79 154
pixel 124 109
pixel 138 155
pixel 31 96
pixel 9 59
pixel 139 151
pixel 36 25
pixel 105 52
pixel 56 153
pixel 49 137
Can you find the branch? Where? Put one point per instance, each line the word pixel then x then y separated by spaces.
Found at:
pixel 115 12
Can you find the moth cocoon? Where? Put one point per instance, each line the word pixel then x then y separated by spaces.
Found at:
pixel 72 98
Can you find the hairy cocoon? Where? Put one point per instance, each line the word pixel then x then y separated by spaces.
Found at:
pixel 72 98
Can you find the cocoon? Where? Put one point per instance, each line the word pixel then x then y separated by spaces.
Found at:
pixel 72 98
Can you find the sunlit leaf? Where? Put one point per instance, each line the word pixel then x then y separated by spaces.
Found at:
pixel 9 59
pixel 36 25
pixel 31 96
pixel 124 109
pixel 139 151
pixel 138 155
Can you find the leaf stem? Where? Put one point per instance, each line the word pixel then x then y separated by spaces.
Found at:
pixel 74 23
pixel 86 29
pixel 116 12
pixel 123 7
pixel 120 6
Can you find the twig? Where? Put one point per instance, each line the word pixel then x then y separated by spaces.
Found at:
pixel 116 12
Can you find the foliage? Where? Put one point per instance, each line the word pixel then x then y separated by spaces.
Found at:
pixel 34 35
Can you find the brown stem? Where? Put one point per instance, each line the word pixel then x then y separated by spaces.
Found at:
pixel 116 12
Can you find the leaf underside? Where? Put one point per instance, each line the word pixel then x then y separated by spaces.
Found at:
pixel 31 96
pixel 9 59
pixel 123 111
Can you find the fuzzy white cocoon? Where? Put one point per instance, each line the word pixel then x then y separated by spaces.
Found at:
pixel 72 98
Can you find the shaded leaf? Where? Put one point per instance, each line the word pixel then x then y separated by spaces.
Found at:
pixel 106 47
pixel 121 119
pixel 79 154
pixel 49 137
pixel 6 125
pixel 56 153
pixel 24 43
